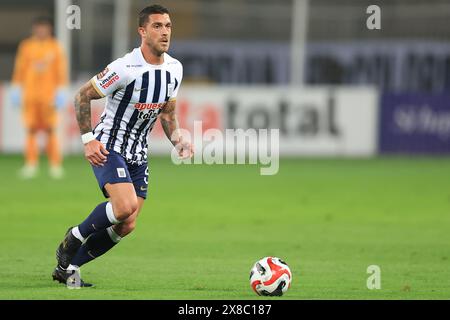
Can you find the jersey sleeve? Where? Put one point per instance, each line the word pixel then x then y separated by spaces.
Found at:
pixel 61 66
pixel 112 78
pixel 177 82
pixel 21 63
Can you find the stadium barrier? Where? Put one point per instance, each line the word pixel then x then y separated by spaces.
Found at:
pixel 391 66
pixel 415 123
pixel 312 121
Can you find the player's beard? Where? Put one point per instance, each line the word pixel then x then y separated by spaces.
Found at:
pixel 157 48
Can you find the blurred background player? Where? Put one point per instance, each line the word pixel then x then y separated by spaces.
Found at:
pixel 39 79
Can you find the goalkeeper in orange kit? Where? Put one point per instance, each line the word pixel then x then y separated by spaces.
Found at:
pixel 38 86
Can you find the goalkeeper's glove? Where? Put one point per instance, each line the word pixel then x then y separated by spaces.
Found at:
pixel 60 98
pixel 15 96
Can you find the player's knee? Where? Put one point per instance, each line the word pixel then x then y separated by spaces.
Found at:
pixel 128 228
pixel 124 209
pixel 125 228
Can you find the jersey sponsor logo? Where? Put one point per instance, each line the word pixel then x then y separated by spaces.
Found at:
pixel 149 106
pixel 113 77
pixel 147 115
pixel 102 74
pixel 134 65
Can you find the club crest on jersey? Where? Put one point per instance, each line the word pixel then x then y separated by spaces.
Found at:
pixel 103 73
pixel 148 106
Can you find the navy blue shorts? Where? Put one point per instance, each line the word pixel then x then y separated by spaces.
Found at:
pixel 117 170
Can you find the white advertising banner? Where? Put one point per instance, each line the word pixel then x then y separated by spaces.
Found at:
pixel 312 121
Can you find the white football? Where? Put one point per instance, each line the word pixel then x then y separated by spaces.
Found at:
pixel 270 276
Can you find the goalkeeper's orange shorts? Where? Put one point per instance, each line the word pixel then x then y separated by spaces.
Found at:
pixel 39 116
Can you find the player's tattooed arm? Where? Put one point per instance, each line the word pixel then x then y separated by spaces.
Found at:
pixel 94 151
pixel 83 106
pixel 169 122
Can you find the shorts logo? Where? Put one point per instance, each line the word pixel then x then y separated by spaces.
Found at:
pixel 121 173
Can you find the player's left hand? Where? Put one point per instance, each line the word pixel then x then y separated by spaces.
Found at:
pixel 185 149
pixel 95 152
pixel 60 98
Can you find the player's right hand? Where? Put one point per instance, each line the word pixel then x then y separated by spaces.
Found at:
pixel 95 152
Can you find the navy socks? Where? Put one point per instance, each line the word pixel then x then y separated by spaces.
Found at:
pixel 100 218
pixel 97 244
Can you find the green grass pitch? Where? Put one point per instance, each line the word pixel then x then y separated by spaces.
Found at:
pixel 203 227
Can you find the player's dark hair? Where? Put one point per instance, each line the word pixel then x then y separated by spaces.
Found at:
pixel 43 20
pixel 153 9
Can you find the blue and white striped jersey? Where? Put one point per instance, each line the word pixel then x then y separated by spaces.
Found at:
pixel 136 91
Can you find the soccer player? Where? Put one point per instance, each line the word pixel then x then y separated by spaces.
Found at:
pixel 38 85
pixel 140 87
